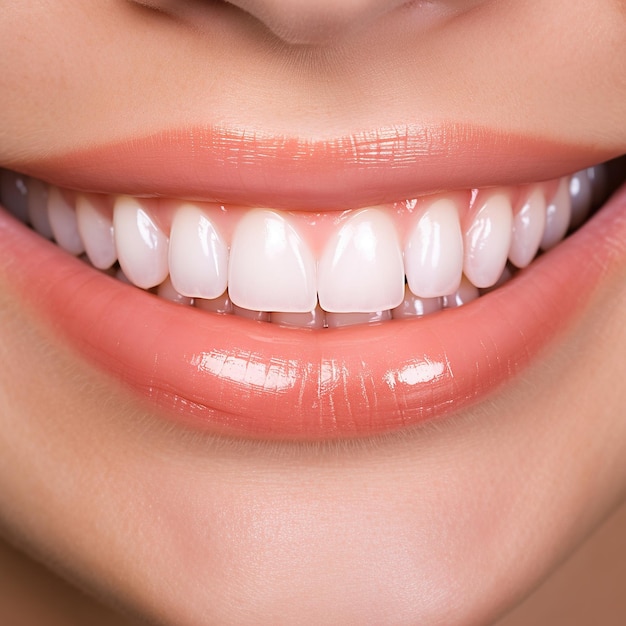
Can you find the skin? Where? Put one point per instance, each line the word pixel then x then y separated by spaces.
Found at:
pixel 452 523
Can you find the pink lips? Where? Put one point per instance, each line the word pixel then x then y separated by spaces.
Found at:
pixel 366 168
pixel 230 375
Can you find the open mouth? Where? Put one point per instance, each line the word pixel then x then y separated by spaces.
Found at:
pixel 313 269
pixel 303 274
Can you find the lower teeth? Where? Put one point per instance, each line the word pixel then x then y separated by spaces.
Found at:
pixel 52 213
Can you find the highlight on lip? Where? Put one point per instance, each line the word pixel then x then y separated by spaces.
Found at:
pixel 314 270
pixel 230 376
pixel 253 167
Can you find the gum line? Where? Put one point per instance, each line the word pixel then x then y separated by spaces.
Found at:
pixel 309 269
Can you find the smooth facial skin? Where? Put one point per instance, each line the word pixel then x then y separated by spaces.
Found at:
pixel 452 523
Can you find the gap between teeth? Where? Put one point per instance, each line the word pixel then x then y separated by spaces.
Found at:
pixel 312 269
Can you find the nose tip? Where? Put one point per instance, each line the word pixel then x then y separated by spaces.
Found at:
pixel 315 21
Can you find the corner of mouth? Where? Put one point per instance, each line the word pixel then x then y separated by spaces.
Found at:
pixel 229 375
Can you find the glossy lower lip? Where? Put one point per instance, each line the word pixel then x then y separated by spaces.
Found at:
pixel 363 169
pixel 233 376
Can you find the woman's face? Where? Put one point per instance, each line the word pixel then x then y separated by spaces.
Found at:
pixel 329 488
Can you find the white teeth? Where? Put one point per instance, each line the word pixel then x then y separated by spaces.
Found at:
pixel 528 226
pixel 463 295
pixel 96 231
pixel 258 264
pixel 337 320
pixel 488 239
pixel 433 255
pixel 14 194
pixel 271 267
pixel 413 306
pixel 198 256
pixel 581 197
pixel 361 269
pixel 38 207
pixel 558 216
pixel 141 245
pixel 63 222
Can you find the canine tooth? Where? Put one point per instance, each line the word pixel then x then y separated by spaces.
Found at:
pixel 528 226
pixel 167 291
pixel 96 231
pixel 558 216
pixel 488 239
pixel 37 202
pixel 257 316
pixel 467 292
pixel 433 255
pixel 63 222
pixel 581 197
pixel 361 269
pixel 14 194
pixel 221 305
pixel 271 267
pixel 336 320
pixel 198 256
pixel 141 245
pixel 414 306
pixel 314 319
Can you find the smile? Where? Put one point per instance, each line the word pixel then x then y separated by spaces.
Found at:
pixel 312 269
pixel 485 271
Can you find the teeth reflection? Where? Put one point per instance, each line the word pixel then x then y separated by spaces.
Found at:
pixel 314 319
pixel 63 222
pixel 433 256
pixel 361 269
pixel 167 292
pixel 141 246
pixel 558 216
pixel 336 320
pixel 467 292
pixel 221 304
pixel 599 183
pixel 198 254
pixel 505 277
pixel 277 264
pixel 528 226
pixel 37 202
pixel 257 316
pixel 414 306
pixel 581 197
pixel 96 230
pixel 271 267
pixel 488 239
pixel 14 194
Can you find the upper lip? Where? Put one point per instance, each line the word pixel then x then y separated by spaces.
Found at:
pixel 241 379
pixel 366 168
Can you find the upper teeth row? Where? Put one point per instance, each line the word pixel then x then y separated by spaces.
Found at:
pixel 270 261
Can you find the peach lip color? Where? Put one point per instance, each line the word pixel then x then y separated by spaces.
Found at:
pixel 238 166
pixel 236 377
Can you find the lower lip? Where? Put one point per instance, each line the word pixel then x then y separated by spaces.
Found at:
pixel 232 376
